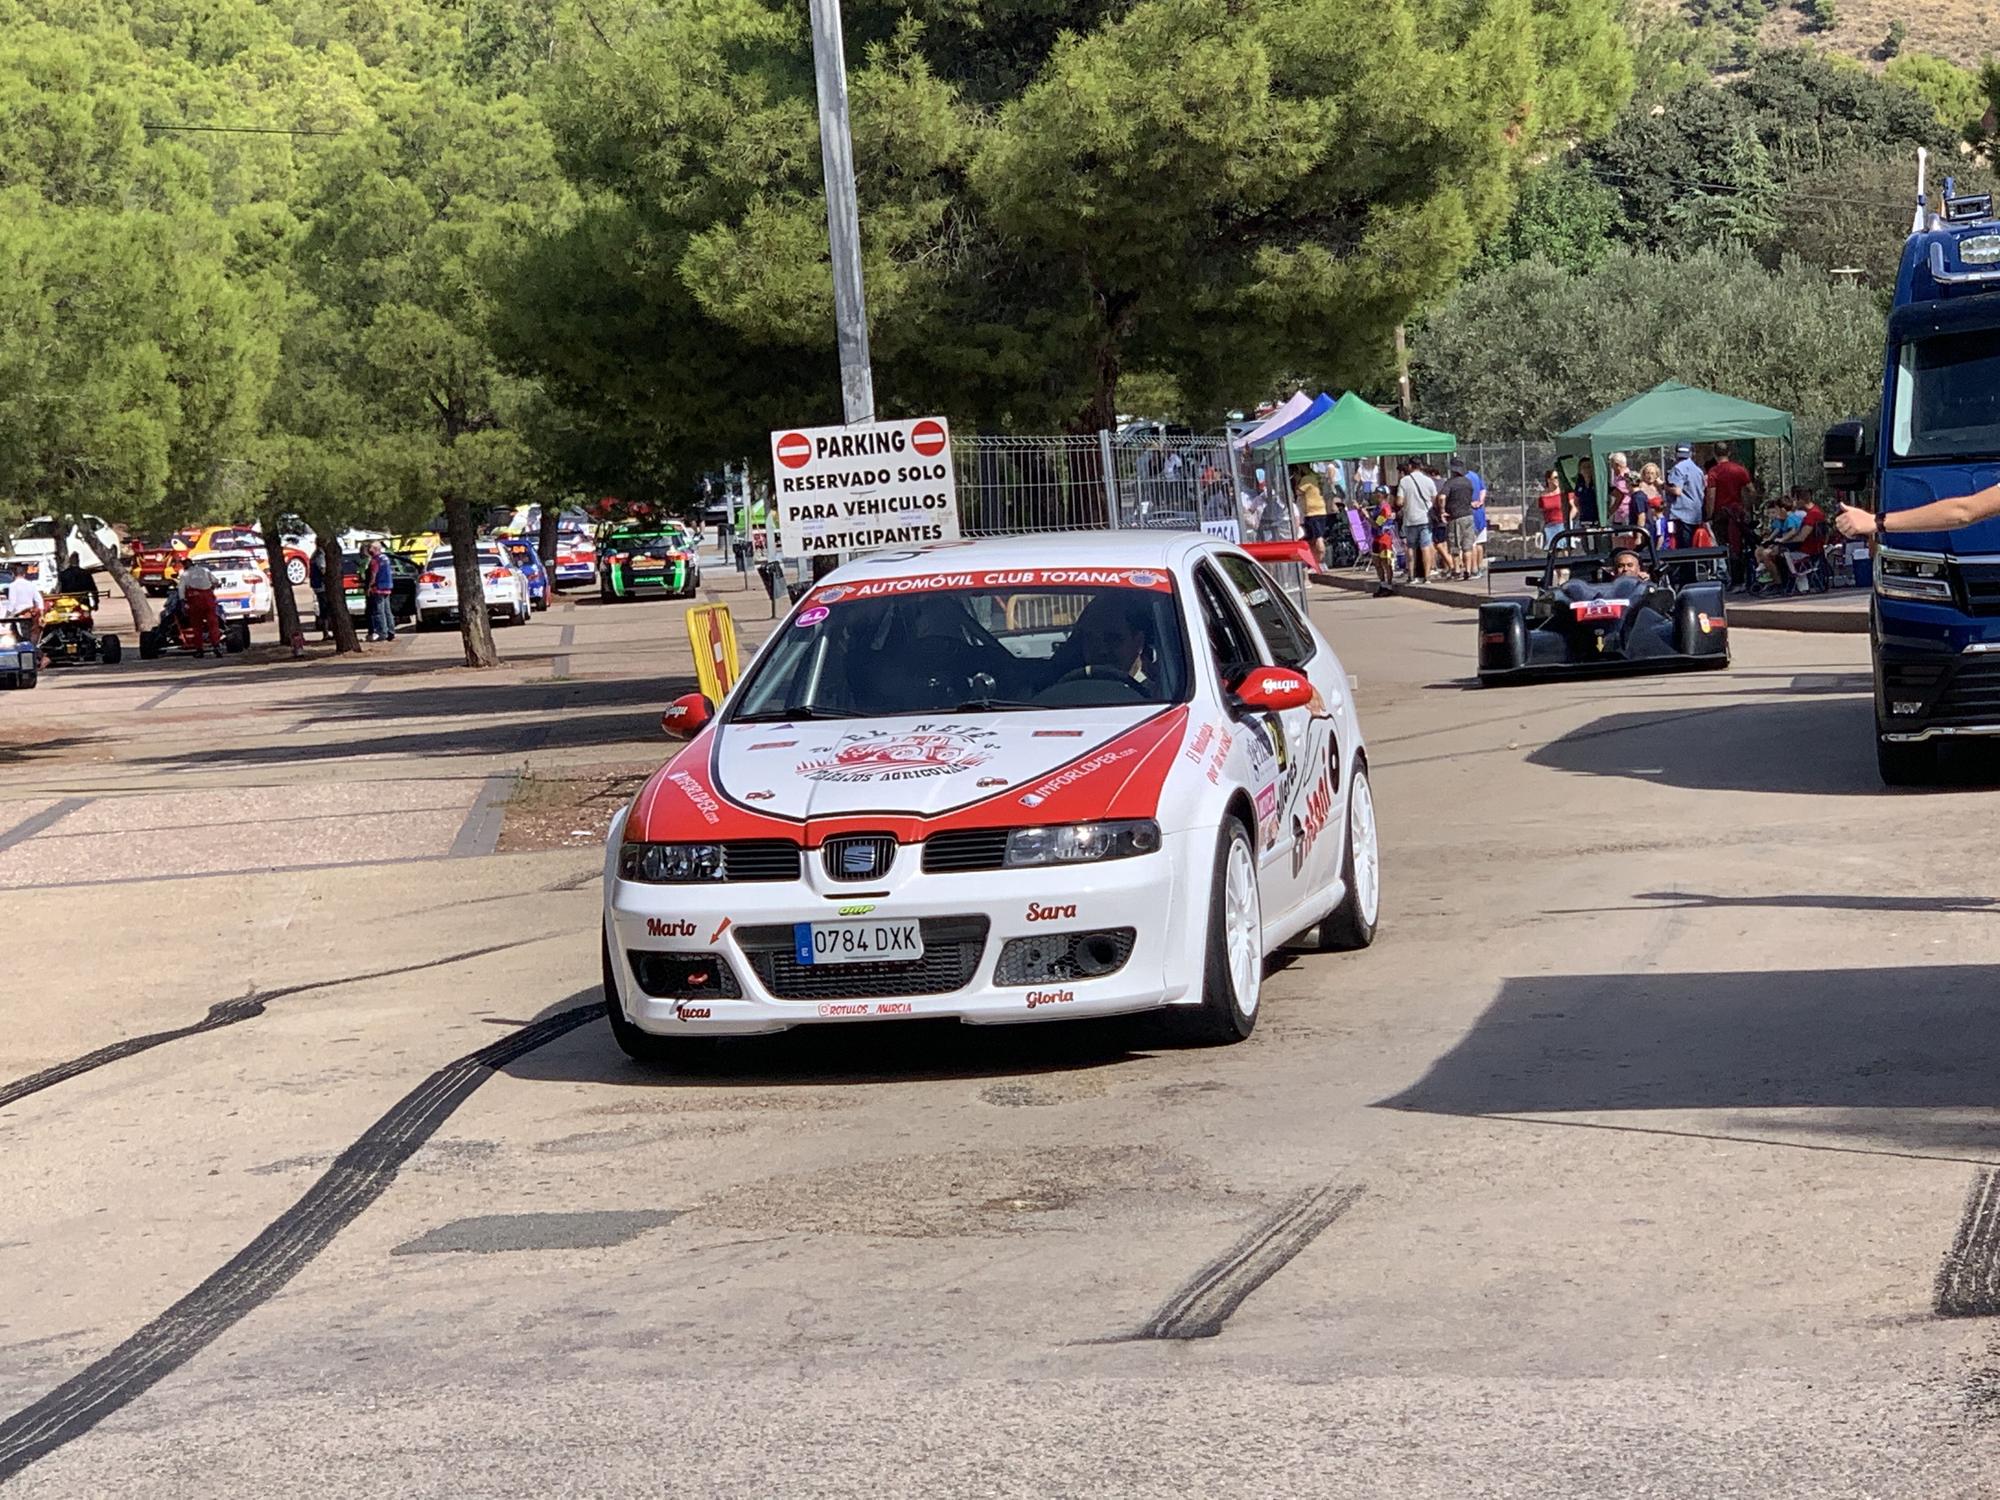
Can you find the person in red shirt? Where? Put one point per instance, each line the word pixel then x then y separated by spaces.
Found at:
pixel 1554 505
pixel 1727 480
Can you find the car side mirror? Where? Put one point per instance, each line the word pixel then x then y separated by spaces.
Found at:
pixel 1273 689
pixel 687 716
pixel 1844 457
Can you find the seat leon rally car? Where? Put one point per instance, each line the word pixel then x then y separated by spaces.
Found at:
pixel 1007 780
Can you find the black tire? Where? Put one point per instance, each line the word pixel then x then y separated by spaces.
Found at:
pixel 27 679
pixel 1903 763
pixel 236 637
pixel 109 651
pixel 605 593
pixel 149 645
pixel 1222 1018
pixel 1347 927
pixel 642 1046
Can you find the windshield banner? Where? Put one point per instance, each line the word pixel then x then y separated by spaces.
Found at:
pixel 1000 578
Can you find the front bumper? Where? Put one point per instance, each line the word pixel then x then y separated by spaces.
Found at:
pixel 968 918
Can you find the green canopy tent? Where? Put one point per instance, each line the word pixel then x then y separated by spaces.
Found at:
pixel 1668 414
pixel 1354 429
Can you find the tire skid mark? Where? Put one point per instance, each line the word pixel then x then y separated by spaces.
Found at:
pixel 1968 1283
pixel 357 1177
pixel 1206 1301
pixel 222 1013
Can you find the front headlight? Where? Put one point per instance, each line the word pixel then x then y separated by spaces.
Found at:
pixel 1912 575
pixel 1081 843
pixel 670 864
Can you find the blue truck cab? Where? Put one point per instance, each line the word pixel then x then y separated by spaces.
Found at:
pixel 1934 621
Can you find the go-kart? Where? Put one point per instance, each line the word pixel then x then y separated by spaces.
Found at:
pixel 69 634
pixel 1584 618
pixel 175 632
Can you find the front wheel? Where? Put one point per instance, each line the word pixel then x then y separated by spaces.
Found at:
pixel 149 645
pixel 1352 923
pixel 1233 973
pixel 1906 763
pixel 109 650
pixel 295 572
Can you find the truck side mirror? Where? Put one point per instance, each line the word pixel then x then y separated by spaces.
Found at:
pixel 1845 457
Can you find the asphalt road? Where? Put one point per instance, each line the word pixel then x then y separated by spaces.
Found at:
pixel 1650 1152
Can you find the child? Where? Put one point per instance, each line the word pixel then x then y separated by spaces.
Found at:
pixel 1383 524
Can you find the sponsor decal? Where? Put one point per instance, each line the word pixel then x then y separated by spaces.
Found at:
pixel 1267 808
pixel 928 750
pixel 1038 913
pixel 676 712
pixel 1260 740
pixel 1198 746
pixel 1039 998
pixel 1710 624
pixel 832 1009
pixel 758 796
pixel 811 617
pixel 893 1008
pixel 986 781
pixel 888 588
pixel 691 1012
pixel 1058 734
pixel 696 793
pixel 661 927
pixel 1086 767
pixel 856 909
pixel 1222 743
pixel 774 744
pixel 716 936
pixel 1318 808
pixel 1598 609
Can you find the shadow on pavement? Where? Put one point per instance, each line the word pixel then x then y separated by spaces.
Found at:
pixel 1794 901
pixel 1808 746
pixel 1855 1040
pixel 816 1056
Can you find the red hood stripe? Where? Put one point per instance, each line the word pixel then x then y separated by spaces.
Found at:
pixel 669 807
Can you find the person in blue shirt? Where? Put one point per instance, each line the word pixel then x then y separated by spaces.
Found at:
pixel 1585 491
pixel 1477 565
pixel 1687 496
pixel 381 587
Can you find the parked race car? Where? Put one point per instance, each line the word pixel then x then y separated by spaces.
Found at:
pixel 504 585
pixel 69 634
pixel 242 587
pixel 403 571
pixel 575 564
pixel 158 564
pixel 1021 779
pixel 523 555
pixel 1605 600
pixel 637 559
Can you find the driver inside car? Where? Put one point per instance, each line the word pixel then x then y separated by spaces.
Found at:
pixel 1627 564
pixel 1115 636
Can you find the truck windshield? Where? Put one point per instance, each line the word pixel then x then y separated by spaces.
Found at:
pixel 1948 397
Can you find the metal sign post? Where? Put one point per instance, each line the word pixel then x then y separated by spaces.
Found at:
pixel 843 221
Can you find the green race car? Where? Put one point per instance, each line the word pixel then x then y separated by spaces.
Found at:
pixel 637 559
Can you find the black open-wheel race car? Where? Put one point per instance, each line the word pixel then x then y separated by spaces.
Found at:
pixel 1595 610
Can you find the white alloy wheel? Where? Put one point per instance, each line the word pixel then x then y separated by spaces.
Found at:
pixel 1364 859
pixel 1243 927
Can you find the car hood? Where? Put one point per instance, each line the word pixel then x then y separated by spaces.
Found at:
pixel 917 766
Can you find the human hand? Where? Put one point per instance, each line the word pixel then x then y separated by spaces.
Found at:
pixel 1853 521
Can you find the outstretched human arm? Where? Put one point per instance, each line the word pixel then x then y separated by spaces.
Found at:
pixel 1939 515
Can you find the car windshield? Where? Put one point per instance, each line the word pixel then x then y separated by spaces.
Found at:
pixel 1948 397
pixel 643 546
pixel 911 646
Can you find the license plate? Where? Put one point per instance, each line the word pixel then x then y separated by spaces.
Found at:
pixel 858 942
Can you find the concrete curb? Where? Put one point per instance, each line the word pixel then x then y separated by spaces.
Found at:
pixel 1743 614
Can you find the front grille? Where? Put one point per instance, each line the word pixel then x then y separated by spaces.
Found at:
pixel 965 849
pixel 1978 587
pixel 1971 696
pixel 683 976
pixel 952 949
pixel 866 856
pixel 1063 955
pixel 760 859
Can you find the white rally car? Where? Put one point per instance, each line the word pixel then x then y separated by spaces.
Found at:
pixel 1021 779
pixel 505 587
pixel 242 587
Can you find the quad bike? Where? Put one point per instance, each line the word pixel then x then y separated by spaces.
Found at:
pixel 69 634
pixel 175 632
